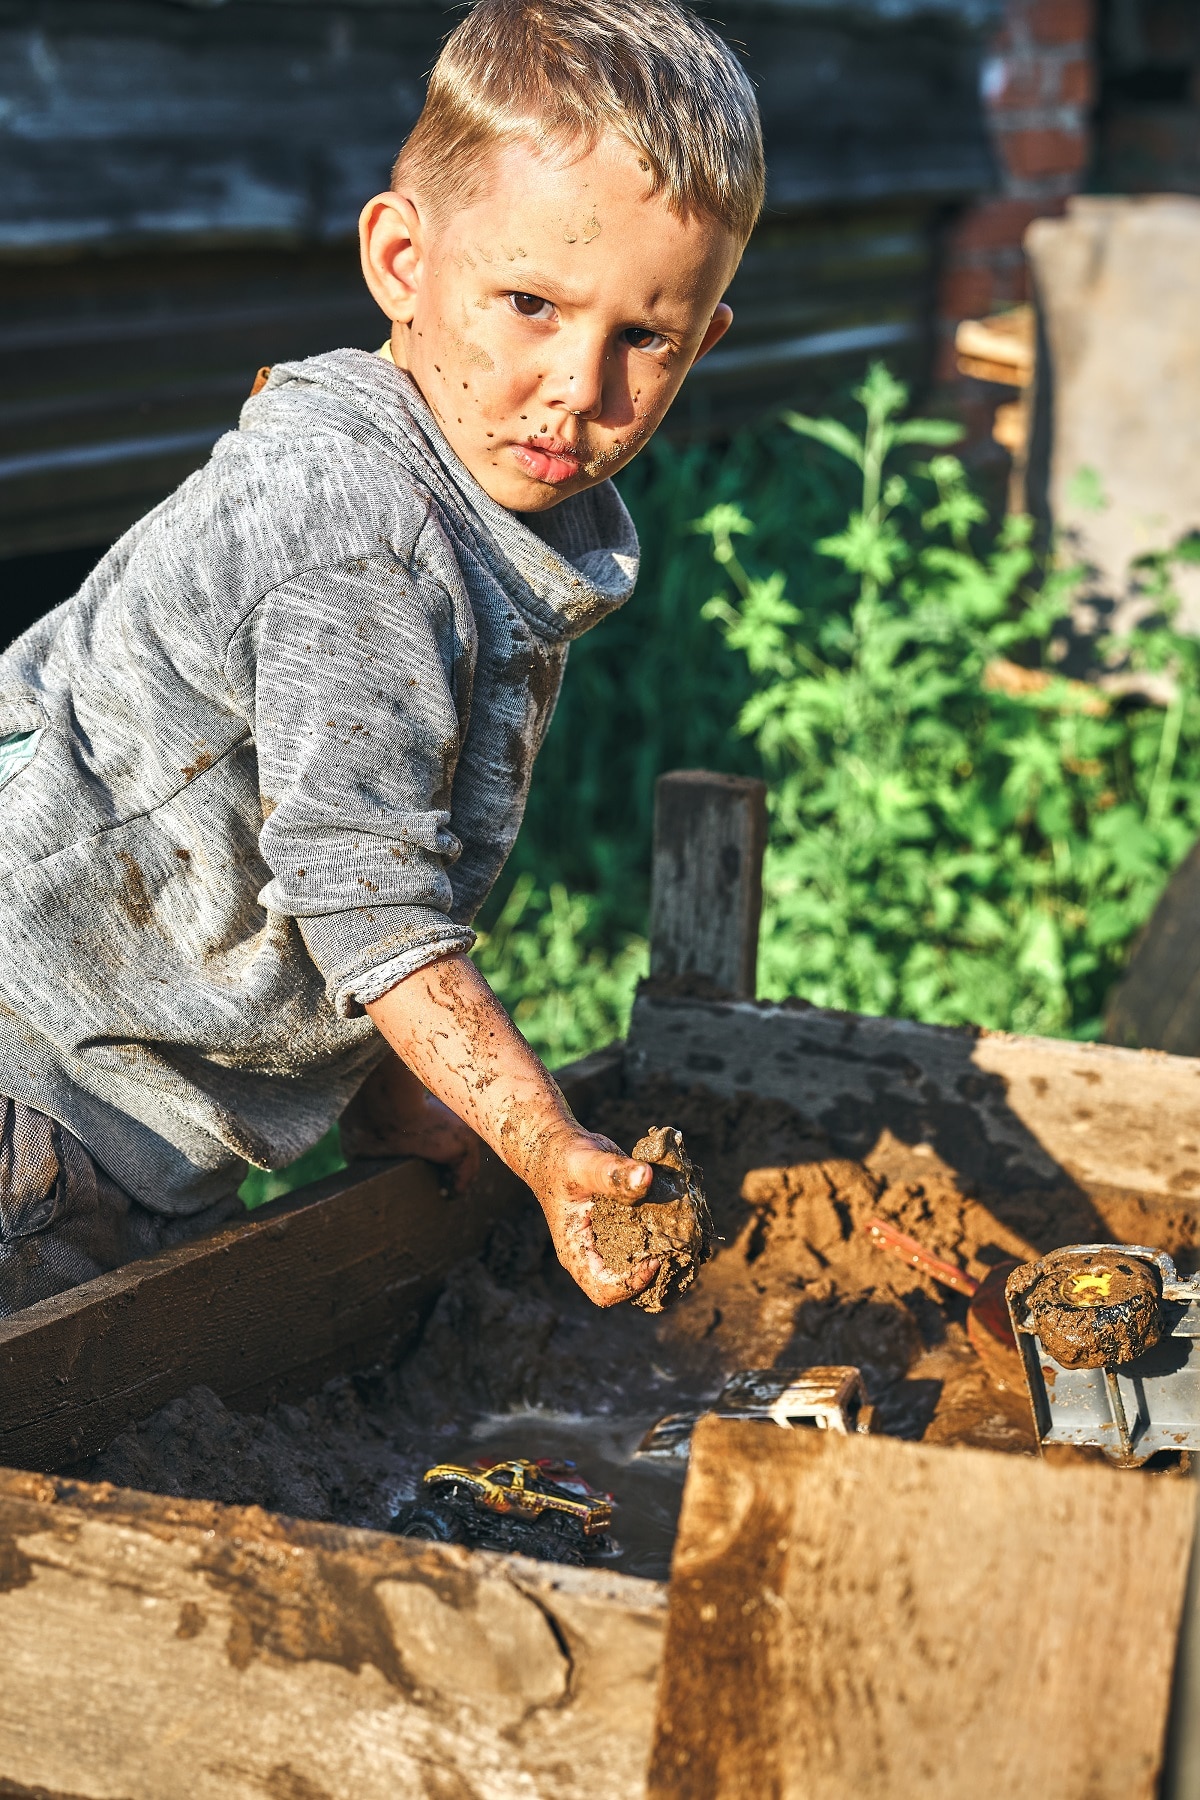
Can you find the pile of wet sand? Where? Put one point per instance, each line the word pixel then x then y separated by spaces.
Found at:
pixel 515 1361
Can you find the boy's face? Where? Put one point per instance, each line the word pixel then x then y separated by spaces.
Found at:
pixel 550 321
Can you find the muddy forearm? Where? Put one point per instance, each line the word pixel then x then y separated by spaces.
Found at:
pixel 447 1026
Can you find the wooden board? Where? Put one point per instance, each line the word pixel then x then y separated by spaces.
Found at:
pixel 156 1648
pixel 856 1616
pixel 994 1108
pixel 329 1278
pixel 706 886
pixel 182 183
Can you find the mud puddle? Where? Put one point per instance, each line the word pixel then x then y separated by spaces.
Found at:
pixel 513 1361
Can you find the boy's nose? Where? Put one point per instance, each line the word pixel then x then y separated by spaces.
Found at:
pixel 580 388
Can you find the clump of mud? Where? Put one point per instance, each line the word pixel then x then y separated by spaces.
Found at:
pixel 514 1361
pixel 672 1222
pixel 1091 1312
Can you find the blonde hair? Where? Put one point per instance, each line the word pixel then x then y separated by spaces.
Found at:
pixel 564 74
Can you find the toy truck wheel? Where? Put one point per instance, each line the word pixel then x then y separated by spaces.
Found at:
pixel 1093 1311
pixel 428 1522
pixel 561 1524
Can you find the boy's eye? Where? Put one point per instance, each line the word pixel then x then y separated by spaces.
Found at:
pixel 640 337
pixel 529 305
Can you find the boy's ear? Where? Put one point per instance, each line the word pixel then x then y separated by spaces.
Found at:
pixel 391 236
pixel 718 325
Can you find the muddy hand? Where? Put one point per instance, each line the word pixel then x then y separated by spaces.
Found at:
pixel 574 1176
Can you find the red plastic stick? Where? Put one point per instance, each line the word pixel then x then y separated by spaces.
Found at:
pixel 886 1237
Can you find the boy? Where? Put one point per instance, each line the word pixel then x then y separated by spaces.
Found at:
pixel 258 776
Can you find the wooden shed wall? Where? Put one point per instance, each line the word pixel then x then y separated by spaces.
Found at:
pixel 179 184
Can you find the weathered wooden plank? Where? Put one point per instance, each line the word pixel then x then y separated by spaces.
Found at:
pixel 269 1306
pixel 706 886
pixel 329 1278
pixel 1181 1759
pixel 856 1616
pixel 1157 1005
pixel 997 1109
pixel 159 1647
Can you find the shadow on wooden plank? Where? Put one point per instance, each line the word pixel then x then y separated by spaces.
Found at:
pixel 853 1615
pixel 1009 1115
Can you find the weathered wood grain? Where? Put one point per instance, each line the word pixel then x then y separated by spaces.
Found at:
pixel 997 1109
pixel 706 888
pixel 131 121
pixel 855 1616
pixel 157 1648
pixel 330 1278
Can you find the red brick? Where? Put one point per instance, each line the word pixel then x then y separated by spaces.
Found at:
pixel 945 362
pixel 1061 21
pixel 1043 151
pixel 1077 82
pixel 966 293
pixel 1024 84
pixel 994 225
pixel 1010 286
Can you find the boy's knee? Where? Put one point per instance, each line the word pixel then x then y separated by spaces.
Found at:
pixel 61 1221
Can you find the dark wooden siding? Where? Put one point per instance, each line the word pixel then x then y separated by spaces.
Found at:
pixel 178 188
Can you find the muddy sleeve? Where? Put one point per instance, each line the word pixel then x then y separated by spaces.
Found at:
pixel 361 687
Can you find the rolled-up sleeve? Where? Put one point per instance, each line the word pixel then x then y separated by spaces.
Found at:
pixel 362 691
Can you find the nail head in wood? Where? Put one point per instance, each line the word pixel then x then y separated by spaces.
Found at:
pixel 706 890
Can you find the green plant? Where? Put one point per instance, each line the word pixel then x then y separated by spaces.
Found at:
pixel 567 990
pixel 958 833
pixel 325 1158
pixel 651 688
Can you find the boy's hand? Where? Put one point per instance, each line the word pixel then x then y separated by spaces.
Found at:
pixel 571 1171
pixel 392 1114
pixel 452 1032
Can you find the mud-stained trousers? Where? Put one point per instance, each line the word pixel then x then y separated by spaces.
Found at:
pixel 63 1220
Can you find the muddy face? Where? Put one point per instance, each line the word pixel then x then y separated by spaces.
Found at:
pixel 550 318
pixel 673 1222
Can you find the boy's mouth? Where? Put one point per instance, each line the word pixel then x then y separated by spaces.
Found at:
pixel 549 459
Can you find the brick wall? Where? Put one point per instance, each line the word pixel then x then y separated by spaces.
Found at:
pixel 1039 82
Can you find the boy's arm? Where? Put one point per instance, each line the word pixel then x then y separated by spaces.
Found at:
pixel 394 1114
pixel 449 1029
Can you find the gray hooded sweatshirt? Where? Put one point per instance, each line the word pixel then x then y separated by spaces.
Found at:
pixel 284 739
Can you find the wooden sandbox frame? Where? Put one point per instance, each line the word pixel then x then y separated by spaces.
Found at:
pixel 154 1647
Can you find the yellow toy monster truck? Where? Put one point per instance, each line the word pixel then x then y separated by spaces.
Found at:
pixel 523 1490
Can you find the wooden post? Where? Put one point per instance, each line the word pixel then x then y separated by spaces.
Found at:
pixel 706 891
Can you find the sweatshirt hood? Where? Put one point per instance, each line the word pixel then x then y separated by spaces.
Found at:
pixel 565 569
